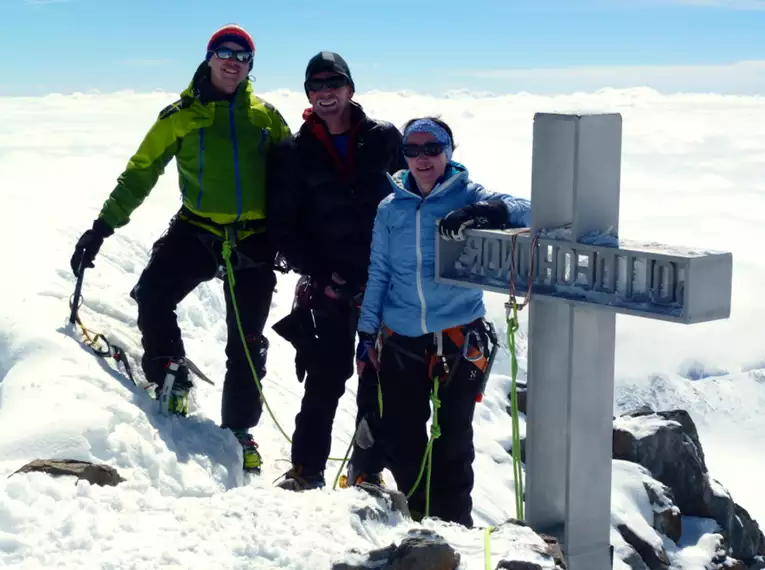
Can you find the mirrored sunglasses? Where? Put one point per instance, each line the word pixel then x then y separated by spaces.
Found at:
pixel 334 82
pixel 228 53
pixel 428 149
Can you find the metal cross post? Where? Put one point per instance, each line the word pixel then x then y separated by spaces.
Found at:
pixel 582 274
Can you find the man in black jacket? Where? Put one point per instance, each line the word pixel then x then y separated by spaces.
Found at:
pixel 325 183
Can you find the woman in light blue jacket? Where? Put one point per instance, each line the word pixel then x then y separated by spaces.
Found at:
pixel 431 336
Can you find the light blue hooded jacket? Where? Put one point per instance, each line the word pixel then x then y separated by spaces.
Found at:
pixel 401 290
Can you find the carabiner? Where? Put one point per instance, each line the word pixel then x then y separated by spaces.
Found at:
pixel 466 346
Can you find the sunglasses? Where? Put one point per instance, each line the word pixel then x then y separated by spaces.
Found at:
pixel 428 149
pixel 228 53
pixel 334 82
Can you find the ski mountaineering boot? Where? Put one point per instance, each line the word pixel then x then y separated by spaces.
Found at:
pixel 297 480
pixel 252 460
pixel 356 477
pixel 173 394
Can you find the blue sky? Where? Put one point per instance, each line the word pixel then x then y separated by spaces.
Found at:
pixel 485 45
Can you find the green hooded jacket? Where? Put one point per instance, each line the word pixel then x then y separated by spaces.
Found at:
pixel 220 148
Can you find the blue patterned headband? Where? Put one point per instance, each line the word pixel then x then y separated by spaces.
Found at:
pixel 432 128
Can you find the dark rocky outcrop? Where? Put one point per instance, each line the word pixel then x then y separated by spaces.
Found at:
pixel 667 518
pixel 667 444
pixel 420 550
pixel 96 474
pixel 426 550
pixel 552 550
pixel 655 558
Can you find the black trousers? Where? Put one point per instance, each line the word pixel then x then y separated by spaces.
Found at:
pixel 329 362
pixel 182 259
pixel 406 387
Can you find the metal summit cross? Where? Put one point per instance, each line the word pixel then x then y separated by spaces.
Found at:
pixel 580 274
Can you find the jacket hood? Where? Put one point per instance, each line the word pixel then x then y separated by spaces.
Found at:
pixel 404 187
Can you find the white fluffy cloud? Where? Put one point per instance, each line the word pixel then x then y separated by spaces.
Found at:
pixel 743 77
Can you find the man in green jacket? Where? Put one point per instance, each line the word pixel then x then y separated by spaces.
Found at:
pixel 219 133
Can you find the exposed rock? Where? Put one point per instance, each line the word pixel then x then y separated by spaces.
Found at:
pixel 552 549
pixel 671 455
pixel 420 550
pixel 96 474
pixel 391 499
pixel 683 418
pixel 375 559
pixel 667 518
pixel 667 444
pixel 653 558
pixel 424 550
pixel 515 565
pixel 633 560
pixel 741 532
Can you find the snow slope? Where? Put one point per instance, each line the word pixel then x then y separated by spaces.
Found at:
pixel 692 175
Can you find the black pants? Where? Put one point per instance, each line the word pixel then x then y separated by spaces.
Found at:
pixel 329 363
pixel 182 259
pixel 406 388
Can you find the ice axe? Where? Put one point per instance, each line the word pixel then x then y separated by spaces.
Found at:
pixel 116 352
pixel 77 292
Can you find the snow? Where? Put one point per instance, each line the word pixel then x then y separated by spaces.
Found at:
pixel 693 177
pixel 644 426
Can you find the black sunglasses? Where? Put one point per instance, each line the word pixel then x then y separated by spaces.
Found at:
pixel 428 149
pixel 334 82
pixel 228 53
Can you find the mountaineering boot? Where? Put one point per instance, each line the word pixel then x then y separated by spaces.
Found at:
pixel 173 392
pixel 252 460
pixel 296 480
pixel 355 477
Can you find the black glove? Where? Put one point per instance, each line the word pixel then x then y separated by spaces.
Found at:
pixel 298 329
pixel 88 245
pixel 481 215
pixel 339 289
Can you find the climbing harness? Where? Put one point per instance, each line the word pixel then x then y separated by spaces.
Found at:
pixel 471 347
pixel 440 371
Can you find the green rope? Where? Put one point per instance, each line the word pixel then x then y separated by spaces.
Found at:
pixel 487 546
pixel 231 282
pixel 512 328
pixel 347 453
pixel 226 251
pixel 350 445
pixel 427 459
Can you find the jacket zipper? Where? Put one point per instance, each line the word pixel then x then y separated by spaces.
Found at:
pixel 423 309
